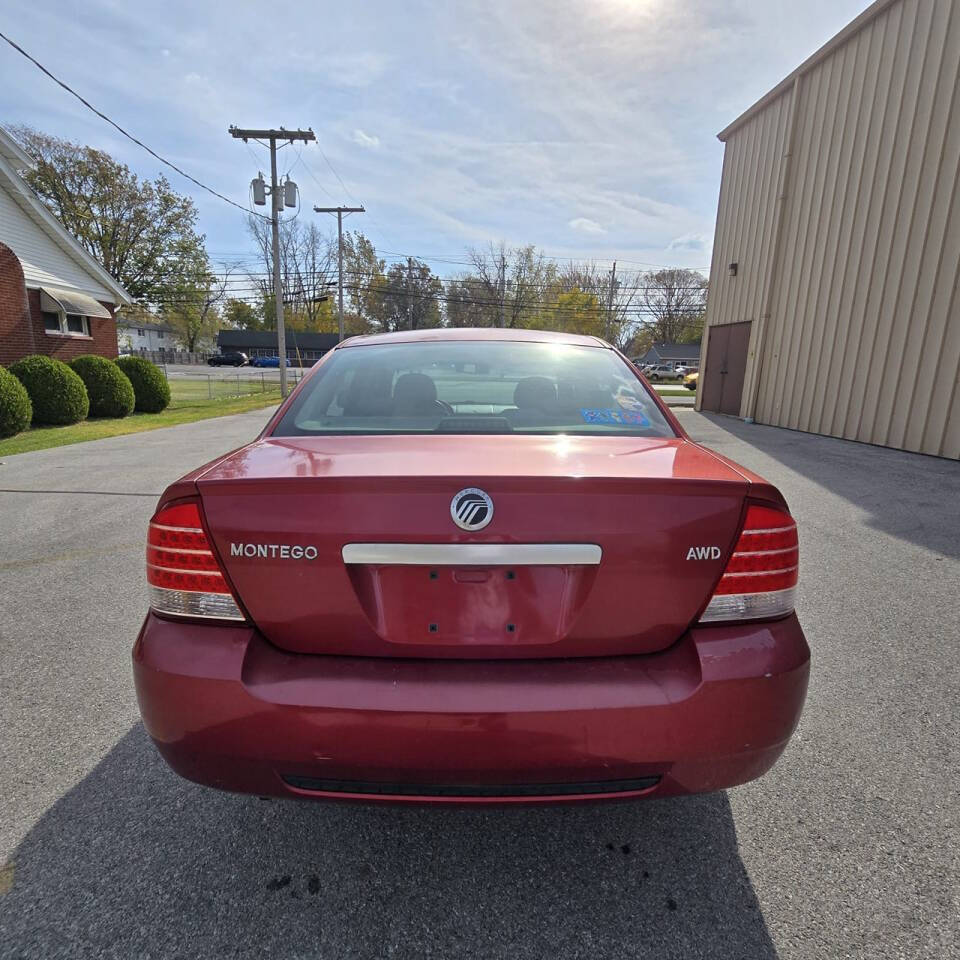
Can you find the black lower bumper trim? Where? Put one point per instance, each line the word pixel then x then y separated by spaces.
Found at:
pixel 377 788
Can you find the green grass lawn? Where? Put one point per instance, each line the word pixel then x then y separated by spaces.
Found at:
pixel 187 405
pixel 677 392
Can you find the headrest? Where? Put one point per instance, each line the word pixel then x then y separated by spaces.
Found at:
pixel 369 393
pixel 414 393
pixel 536 393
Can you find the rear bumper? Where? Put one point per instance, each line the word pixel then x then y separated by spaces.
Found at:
pixel 227 709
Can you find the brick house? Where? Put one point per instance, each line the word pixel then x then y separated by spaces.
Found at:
pixel 54 297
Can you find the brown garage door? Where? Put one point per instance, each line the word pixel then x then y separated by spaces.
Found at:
pixel 725 368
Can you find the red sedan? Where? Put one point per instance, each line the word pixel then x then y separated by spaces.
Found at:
pixel 471 566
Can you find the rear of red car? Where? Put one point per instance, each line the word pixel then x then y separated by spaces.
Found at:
pixel 453 573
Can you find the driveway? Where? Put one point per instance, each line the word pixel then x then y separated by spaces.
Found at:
pixel 850 847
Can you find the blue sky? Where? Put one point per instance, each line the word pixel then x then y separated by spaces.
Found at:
pixel 587 127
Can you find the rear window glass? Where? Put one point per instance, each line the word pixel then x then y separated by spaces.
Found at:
pixel 474 387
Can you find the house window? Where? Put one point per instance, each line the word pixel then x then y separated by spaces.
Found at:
pixel 139 332
pixel 77 324
pixel 66 324
pixel 159 334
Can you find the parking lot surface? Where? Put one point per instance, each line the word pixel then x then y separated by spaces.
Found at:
pixel 850 847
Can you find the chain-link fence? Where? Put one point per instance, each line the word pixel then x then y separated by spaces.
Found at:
pixel 186 387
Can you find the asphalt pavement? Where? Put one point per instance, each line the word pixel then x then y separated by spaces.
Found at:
pixel 850 847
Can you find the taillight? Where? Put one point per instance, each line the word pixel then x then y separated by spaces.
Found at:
pixel 760 579
pixel 183 574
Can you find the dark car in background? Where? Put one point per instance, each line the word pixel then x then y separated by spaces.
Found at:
pixel 228 360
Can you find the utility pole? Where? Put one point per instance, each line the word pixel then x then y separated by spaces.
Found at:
pixel 339 211
pixel 503 285
pixel 278 199
pixel 613 287
pixel 410 303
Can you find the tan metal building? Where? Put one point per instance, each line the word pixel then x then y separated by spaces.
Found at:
pixel 833 304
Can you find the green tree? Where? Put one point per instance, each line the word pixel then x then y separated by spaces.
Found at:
pixel 143 232
pixel 192 307
pixel 240 315
pixel 411 299
pixel 574 311
pixel 466 305
pixel 364 281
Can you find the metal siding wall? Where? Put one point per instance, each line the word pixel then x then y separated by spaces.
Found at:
pixel 864 337
pixel 746 223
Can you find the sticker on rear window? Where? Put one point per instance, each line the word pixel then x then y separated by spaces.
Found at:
pixel 615 418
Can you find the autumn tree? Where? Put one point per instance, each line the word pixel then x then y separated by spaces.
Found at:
pixel 142 231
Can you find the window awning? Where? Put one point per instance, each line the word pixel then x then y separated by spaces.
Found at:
pixel 55 299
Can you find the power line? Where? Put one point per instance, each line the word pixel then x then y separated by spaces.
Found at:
pixel 457 259
pixel 337 175
pixel 129 136
pixel 293 166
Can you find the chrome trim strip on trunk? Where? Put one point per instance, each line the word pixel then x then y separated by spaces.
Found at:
pixel 473 554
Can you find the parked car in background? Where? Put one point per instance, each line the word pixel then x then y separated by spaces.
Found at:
pixel 420 585
pixel 660 371
pixel 228 360
pixel 692 380
pixel 265 362
pixel 682 369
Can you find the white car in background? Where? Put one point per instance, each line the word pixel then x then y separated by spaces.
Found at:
pixel 659 371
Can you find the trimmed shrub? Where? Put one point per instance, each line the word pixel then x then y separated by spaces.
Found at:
pixel 108 387
pixel 16 411
pixel 149 384
pixel 57 394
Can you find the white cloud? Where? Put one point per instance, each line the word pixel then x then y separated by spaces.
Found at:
pixel 585 225
pixel 498 119
pixel 689 241
pixel 365 139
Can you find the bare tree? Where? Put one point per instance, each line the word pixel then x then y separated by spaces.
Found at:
pixel 308 268
pixel 510 283
pixel 673 303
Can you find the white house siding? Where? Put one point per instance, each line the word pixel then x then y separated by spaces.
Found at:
pixel 151 339
pixel 34 246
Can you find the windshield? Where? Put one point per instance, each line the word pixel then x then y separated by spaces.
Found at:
pixel 474 387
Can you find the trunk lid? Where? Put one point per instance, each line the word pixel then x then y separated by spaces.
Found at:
pixel 281 511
